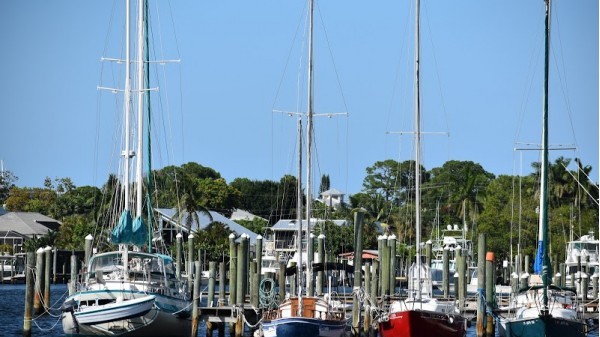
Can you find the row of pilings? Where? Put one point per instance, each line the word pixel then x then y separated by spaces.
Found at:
pixel 378 284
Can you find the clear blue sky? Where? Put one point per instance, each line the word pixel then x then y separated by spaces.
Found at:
pixel 481 78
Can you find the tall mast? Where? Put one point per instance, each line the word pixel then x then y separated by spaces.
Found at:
pixel 299 209
pixel 544 169
pixel 309 126
pixel 140 106
pixel 417 148
pixel 127 98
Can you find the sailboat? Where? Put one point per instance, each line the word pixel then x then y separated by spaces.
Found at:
pixel 547 314
pixel 300 315
pixel 420 315
pixel 129 292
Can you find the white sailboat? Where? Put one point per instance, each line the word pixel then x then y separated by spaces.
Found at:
pixel 304 314
pixel 128 292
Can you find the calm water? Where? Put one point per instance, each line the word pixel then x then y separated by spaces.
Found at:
pixel 12 302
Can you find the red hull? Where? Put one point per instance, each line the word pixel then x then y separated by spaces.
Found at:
pixel 417 323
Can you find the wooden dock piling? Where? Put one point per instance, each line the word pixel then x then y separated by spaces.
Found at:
pixel 195 298
pixel 446 272
pixel 358 242
pixel 39 281
pixel 490 285
pixel 232 269
pixel 28 314
pixel 47 269
pixel 480 327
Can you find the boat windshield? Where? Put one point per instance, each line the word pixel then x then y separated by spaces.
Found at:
pixel 136 262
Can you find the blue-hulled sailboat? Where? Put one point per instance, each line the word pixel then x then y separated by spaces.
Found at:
pixel 546 315
pixel 304 314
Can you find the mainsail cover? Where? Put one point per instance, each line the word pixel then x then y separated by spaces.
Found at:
pixel 129 231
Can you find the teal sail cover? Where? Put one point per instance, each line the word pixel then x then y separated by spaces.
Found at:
pixel 129 231
pixel 138 232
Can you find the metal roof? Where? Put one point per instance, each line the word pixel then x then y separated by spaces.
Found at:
pixel 169 215
pixel 28 223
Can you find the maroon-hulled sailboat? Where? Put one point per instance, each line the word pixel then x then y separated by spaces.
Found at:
pixel 420 315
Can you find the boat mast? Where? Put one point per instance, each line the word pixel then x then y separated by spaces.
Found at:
pixel 544 169
pixel 417 149
pixel 299 211
pixel 140 106
pixel 309 126
pixel 127 151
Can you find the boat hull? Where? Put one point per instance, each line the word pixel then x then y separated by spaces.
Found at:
pixel 420 323
pixel 548 326
pixel 162 319
pixel 305 327
pixel 116 311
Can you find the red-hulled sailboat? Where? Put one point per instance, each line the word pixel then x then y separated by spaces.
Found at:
pixel 420 315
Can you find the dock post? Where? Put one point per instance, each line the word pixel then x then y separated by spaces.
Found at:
pixel 221 284
pixel 55 266
pixel 259 249
pixel 380 255
pixel 367 314
pixel 374 286
pixel 446 272
pixel 385 269
pixel 195 298
pixel 178 247
pixel 87 249
pixel 28 314
pixel 490 287
pixel 524 278
pixel 481 278
pixel 392 247
pixel 461 278
pixel 358 242
pixel 242 271
pixel 428 253
pixel 584 286
pixel 212 270
pixel 47 269
pixel 281 278
pixel 254 281
pixel 246 265
pixel 321 259
pixel 39 281
pixel 595 285
pixel 232 269
pixel 73 281
pixel 293 279
pixel 190 264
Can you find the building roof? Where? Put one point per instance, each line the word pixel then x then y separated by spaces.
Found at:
pixel 28 223
pixel 292 224
pixel 331 192
pixel 169 215
pixel 240 214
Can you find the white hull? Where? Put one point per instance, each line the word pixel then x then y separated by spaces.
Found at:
pixel 158 319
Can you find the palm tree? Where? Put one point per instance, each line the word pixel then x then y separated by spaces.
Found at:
pixel 191 208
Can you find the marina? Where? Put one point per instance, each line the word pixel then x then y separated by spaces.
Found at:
pixel 167 247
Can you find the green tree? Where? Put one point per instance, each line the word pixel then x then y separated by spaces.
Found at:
pixel 7 182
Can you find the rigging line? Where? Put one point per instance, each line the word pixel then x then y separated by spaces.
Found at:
pixel 437 73
pixel 562 76
pixel 398 66
pixel 578 183
pixel 287 62
pixel 564 88
pixel 337 76
pixel 533 62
